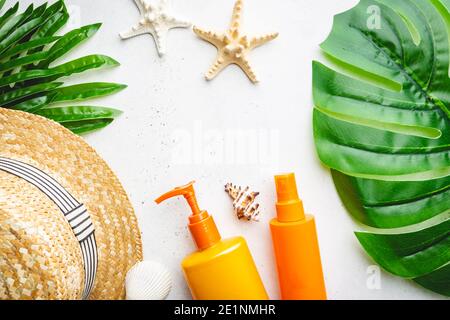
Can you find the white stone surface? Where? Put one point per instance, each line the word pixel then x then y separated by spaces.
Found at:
pixel 168 100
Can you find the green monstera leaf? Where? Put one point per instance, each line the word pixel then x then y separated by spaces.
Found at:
pixel 382 125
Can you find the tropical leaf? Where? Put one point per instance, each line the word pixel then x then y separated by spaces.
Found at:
pixel 17 94
pixel 25 60
pixel 67 69
pixel 81 119
pixel 28 52
pixel 19 33
pixel 78 113
pixel 80 127
pixel 68 42
pixel 25 46
pixel 15 22
pixel 381 123
pixel 85 91
pixel 8 14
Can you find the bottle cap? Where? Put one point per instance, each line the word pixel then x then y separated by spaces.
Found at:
pixel 289 206
pixel 201 224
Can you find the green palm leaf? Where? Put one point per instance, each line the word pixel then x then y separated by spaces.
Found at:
pixel 28 52
pixel 382 125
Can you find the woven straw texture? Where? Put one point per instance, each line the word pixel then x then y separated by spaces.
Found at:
pixel 40 258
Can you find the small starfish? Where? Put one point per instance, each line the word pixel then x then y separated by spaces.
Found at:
pixel 232 46
pixel 156 21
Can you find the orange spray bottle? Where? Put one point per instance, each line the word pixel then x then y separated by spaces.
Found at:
pixel 220 269
pixel 296 246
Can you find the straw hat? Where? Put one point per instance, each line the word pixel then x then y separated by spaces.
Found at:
pixel 67 228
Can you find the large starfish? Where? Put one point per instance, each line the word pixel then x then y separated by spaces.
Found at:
pixel 233 46
pixel 156 21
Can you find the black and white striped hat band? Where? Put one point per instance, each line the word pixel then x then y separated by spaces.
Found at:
pixel 76 213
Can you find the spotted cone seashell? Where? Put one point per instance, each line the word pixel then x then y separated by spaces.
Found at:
pixel 148 280
pixel 243 202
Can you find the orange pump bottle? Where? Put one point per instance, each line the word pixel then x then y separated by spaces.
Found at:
pixel 295 244
pixel 220 269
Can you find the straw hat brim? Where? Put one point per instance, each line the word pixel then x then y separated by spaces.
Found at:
pixel 40 257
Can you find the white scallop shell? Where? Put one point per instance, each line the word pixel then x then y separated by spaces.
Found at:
pixel 148 280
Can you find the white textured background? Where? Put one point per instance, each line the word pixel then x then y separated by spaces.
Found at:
pixel 168 104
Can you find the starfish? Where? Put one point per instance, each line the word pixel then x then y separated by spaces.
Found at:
pixel 233 46
pixel 156 21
